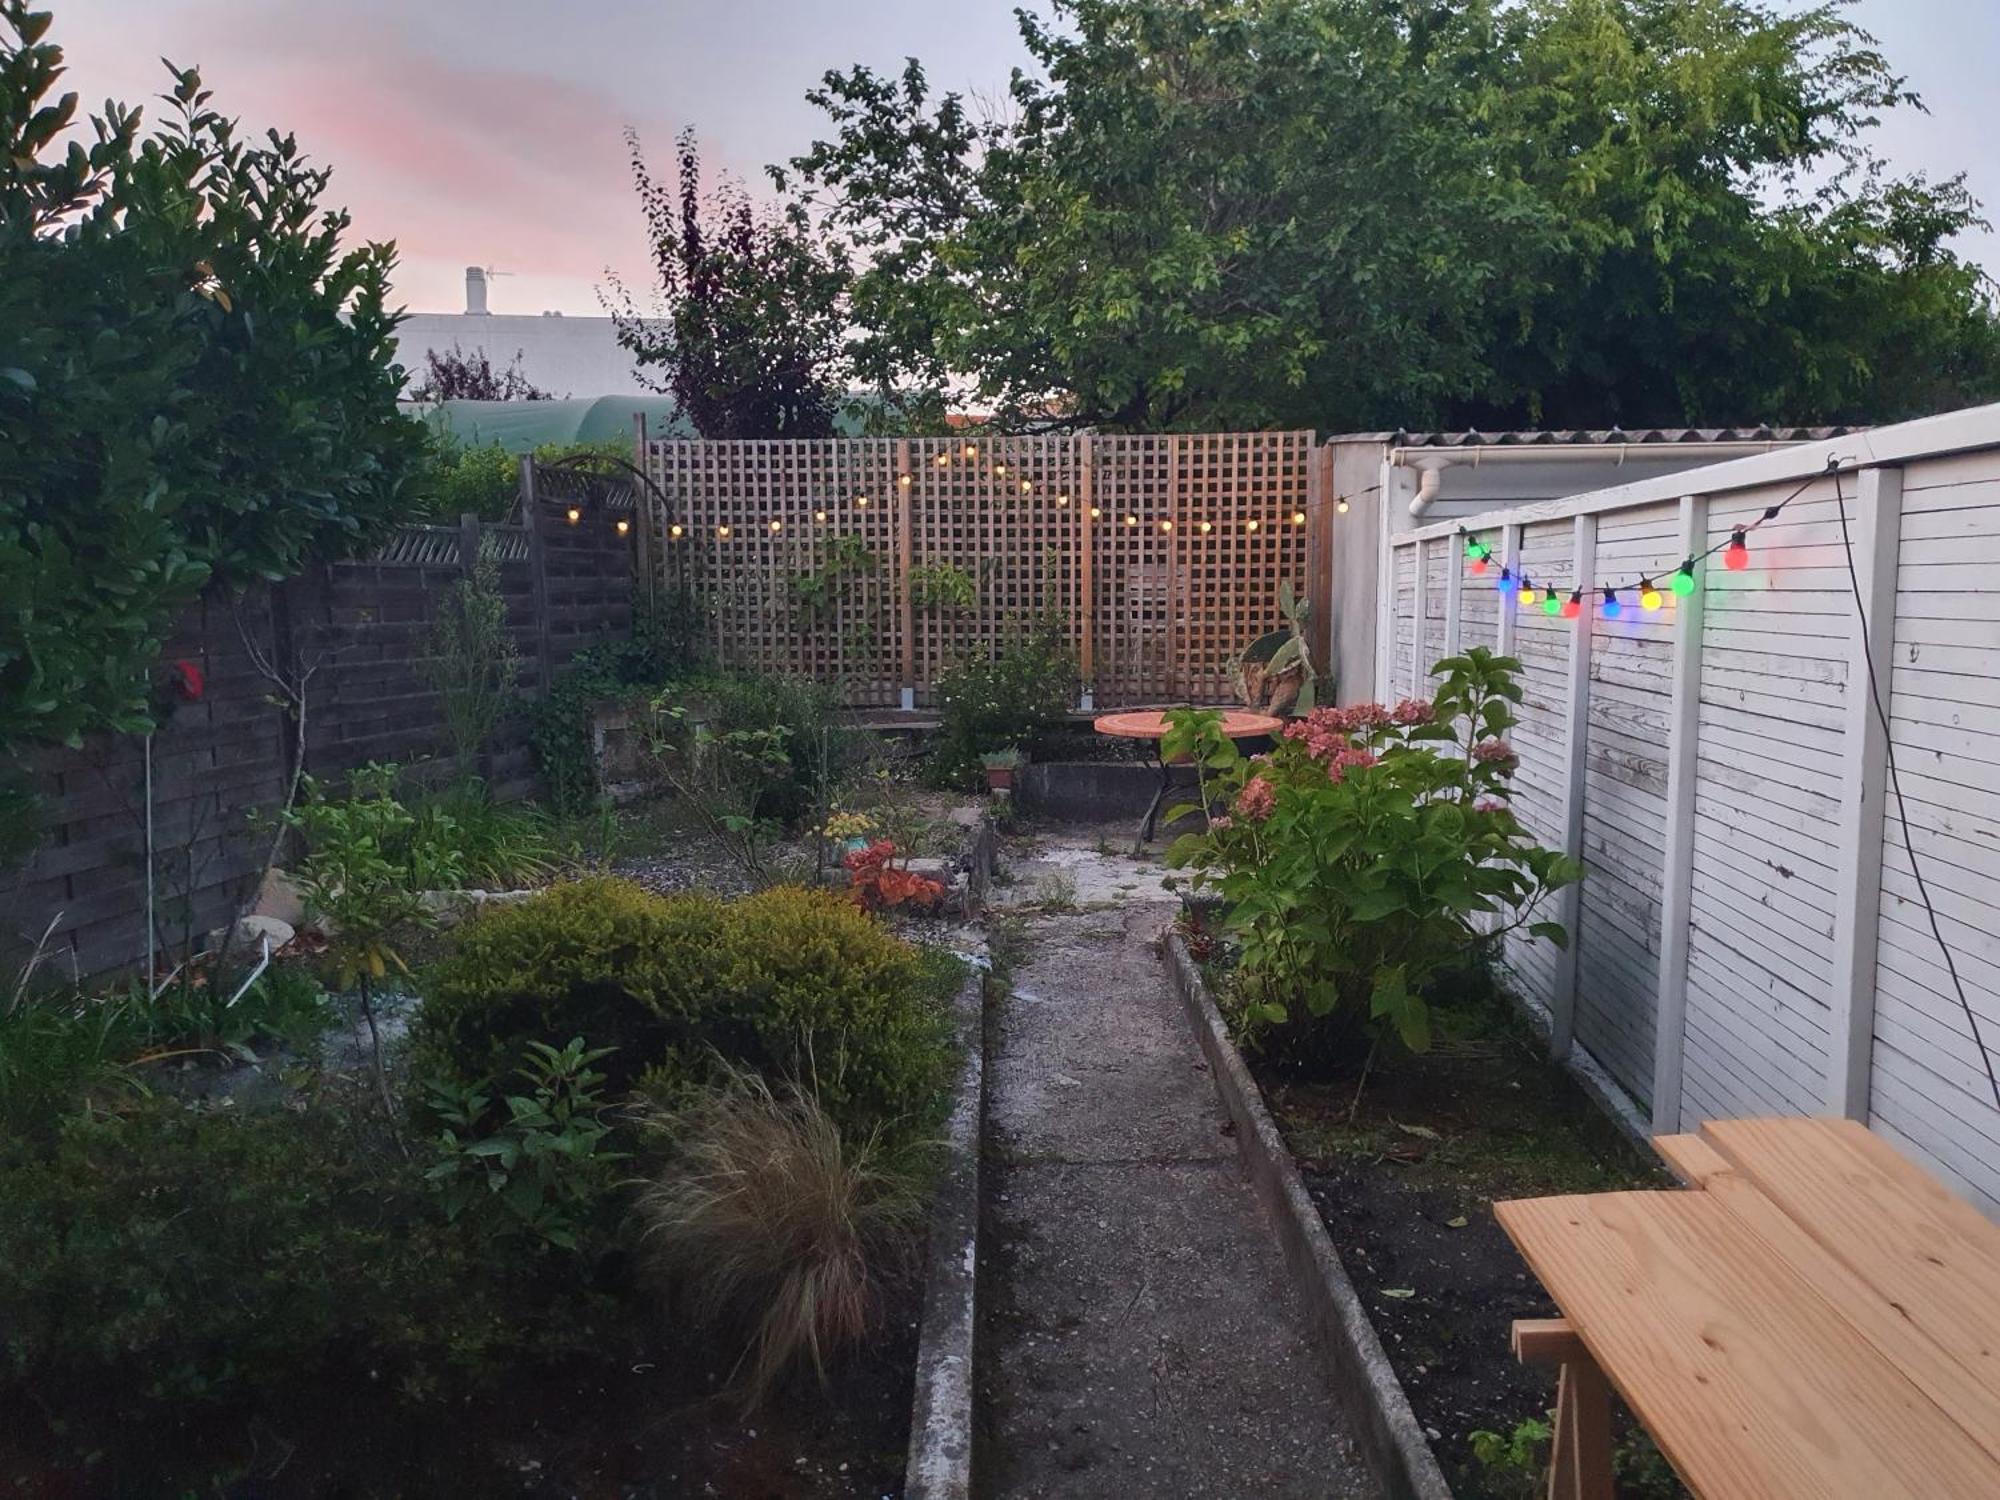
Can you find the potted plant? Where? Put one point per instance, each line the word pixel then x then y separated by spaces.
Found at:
pixel 1000 768
pixel 848 831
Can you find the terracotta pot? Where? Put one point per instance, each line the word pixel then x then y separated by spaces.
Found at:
pixel 999 778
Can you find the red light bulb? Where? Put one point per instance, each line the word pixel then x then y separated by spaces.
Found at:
pixel 1573 606
pixel 1478 565
pixel 1736 556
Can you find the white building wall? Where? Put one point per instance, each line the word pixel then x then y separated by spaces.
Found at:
pixel 564 356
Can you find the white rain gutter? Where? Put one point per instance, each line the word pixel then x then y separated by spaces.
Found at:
pixel 1431 462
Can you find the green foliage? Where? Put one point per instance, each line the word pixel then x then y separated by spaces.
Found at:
pixel 751 345
pixel 724 777
pixel 663 647
pixel 460 478
pixel 1005 701
pixel 599 958
pixel 1364 856
pixel 766 1218
pixel 817 590
pixel 943 587
pixel 365 870
pixel 542 1168
pixel 1181 220
pixel 59 1051
pixel 798 985
pixel 197 384
pixel 1512 1463
pixel 495 845
pixel 164 1258
pixel 472 662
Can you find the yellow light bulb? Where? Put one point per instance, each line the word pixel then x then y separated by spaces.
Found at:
pixel 1249 525
pixel 574 515
pixel 1062 499
pixel 1341 505
pixel 777 525
pixel 1000 469
pixel 623 527
pixel 722 531
pixel 1026 486
pixel 969 451
pixel 1166 525
pixel 1298 518
pixel 903 480
pixel 1207 527
pixel 819 515
pixel 673 531
pixel 1095 512
pixel 860 499
pixel 1131 520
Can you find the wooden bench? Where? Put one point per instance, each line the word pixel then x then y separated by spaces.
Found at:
pixel 1817 1317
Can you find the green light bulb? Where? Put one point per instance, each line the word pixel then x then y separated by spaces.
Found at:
pixel 1551 605
pixel 1683 581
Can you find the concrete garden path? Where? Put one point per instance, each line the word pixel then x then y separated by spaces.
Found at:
pixel 1138 1337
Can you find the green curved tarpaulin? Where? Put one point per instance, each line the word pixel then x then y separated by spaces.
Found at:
pixel 523 426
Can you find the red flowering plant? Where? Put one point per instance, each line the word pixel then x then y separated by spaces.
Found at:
pixel 1370 849
pixel 880 884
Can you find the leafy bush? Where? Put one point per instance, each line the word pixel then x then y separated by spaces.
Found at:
pixel 543 1167
pixel 837 1004
pixel 796 984
pixel 197 384
pixel 167 1257
pixel 1007 701
pixel 766 1217
pixel 599 958
pixel 484 479
pixel 1357 858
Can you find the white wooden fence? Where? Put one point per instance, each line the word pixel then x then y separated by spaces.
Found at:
pixel 1750 936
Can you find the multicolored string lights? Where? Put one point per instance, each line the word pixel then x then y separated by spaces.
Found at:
pixel 1681 582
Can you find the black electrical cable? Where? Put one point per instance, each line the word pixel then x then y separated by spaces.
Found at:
pixel 1902 812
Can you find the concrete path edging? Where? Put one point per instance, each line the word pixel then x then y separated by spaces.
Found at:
pixel 1391 1439
pixel 940 1461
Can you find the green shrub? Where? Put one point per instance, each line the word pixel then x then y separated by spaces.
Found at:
pixel 599 958
pixel 1010 700
pixel 170 1257
pixel 798 985
pixel 838 1004
pixel 1359 860
pixel 819 748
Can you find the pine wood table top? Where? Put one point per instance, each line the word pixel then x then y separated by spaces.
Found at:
pixel 1819 1317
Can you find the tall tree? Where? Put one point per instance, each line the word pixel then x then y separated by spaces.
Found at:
pixel 752 338
pixel 197 383
pixel 1396 212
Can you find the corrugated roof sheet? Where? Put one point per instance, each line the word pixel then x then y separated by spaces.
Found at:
pixel 1552 439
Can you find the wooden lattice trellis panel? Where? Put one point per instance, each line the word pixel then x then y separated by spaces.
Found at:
pixel 1164 552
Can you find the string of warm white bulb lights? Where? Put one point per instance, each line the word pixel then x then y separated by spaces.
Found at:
pixel 1681 582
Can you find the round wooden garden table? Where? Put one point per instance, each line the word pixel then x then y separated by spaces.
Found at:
pixel 1151 724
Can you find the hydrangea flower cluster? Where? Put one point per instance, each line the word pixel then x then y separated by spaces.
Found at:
pixel 1257 799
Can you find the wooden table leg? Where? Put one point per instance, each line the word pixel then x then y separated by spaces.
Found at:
pixel 1580 1456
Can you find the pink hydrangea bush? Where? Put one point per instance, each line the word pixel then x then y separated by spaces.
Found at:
pixel 1371 849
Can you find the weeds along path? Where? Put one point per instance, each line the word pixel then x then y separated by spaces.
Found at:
pixel 1137 1336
